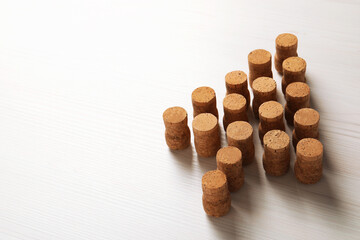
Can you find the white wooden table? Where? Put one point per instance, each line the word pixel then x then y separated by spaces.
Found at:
pixel 83 85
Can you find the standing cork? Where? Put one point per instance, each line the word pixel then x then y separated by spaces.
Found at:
pixel 259 64
pixel 271 117
pixel 297 96
pixel 229 161
pixel 206 134
pixel 308 164
pixel 293 71
pixel 240 134
pixel 234 109
pixel 204 101
pixel 236 82
pixel 216 196
pixel 276 157
pixel 306 125
pixel 286 46
pixel 177 132
pixel 264 89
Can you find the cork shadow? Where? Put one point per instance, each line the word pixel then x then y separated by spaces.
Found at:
pixel 184 157
pixel 242 199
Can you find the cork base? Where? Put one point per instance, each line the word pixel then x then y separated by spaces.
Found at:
pixel 307 175
pixel 178 141
pixel 276 167
pixel 216 209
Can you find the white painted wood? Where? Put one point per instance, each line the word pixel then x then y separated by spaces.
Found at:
pixel 83 85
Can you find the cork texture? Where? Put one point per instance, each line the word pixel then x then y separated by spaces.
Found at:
pixel 294 65
pixel 271 111
pixel 204 101
pixel 276 140
pixel 177 132
pixel 286 41
pixel 309 149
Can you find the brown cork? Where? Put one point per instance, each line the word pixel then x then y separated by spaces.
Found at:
pixel 293 71
pixel 236 82
pixel 297 96
pixel 295 139
pixel 177 132
pixel 204 101
pixel 306 123
pixel 271 118
pixel 276 158
pixel 286 46
pixel 259 62
pixel 216 196
pixel 234 109
pixel 229 161
pixel 206 134
pixel 240 134
pixel 308 164
pixel 264 89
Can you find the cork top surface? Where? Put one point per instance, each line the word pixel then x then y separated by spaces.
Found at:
pixel 204 122
pixel 271 110
pixel 235 77
pixel 294 64
pixel 174 115
pixel 229 155
pixel 239 130
pixel 309 147
pixel 213 179
pixel 298 89
pixel 307 117
pixel 203 94
pixel 264 84
pixel 276 139
pixel 234 101
pixel 286 40
pixel 259 56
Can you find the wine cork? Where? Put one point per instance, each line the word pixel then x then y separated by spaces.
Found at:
pixel 264 89
pixel 308 164
pixel 206 134
pixel 177 132
pixel 259 62
pixel 216 196
pixel 204 101
pixel 286 46
pixel 240 134
pixel 297 96
pixel 236 82
pixel 234 109
pixel 229 161
pixel 293 71
pixel 271 117
pixel 276 158
pixel 306 124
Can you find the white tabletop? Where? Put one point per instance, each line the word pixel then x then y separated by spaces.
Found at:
pixel 83 85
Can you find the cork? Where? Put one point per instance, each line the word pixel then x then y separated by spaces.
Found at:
pixel 271 118
pixel 234 109
pixel 306 125
pixel 276 157
pixel 297 96
pixel 240 134
pixel 308 164
pixel 264 89
pixel 286 46
pixel 293 71
pixel 177 132
pixel 259 62
pixel 206 134
pixel 236 82
pixel 204 101
pixel 229 161
pixel 216 196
